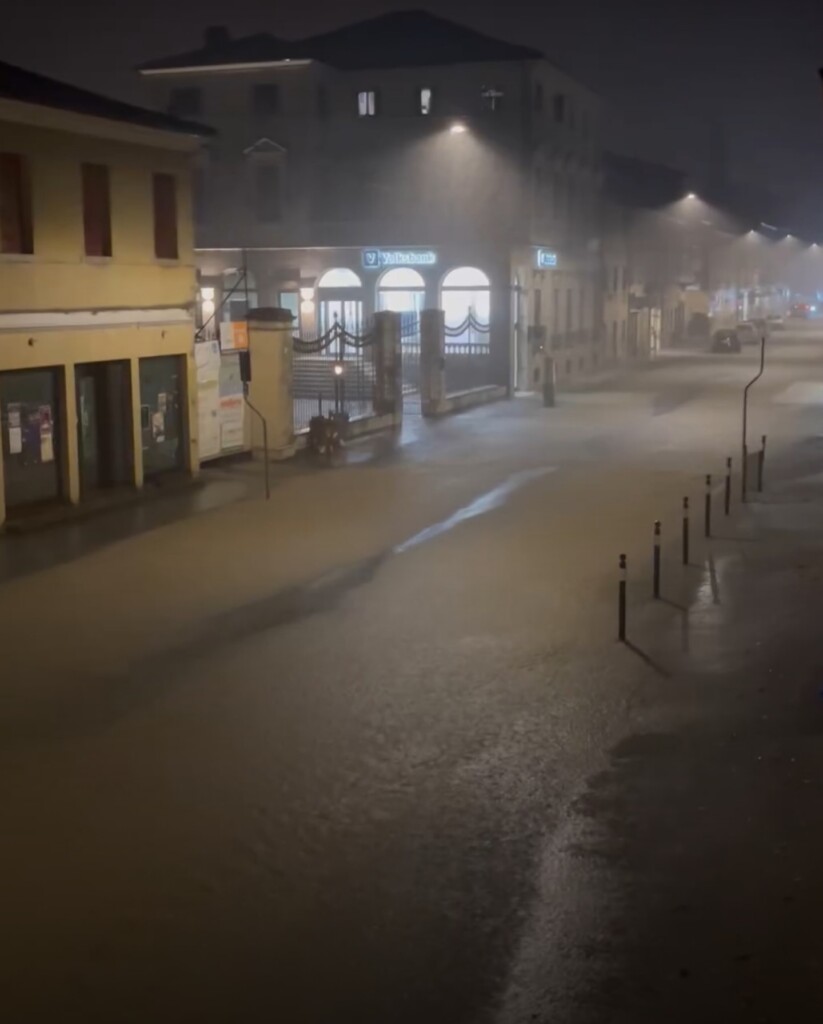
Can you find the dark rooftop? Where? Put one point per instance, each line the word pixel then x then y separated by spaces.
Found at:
pixel 410 39
pixel 402 39
pixel 29 87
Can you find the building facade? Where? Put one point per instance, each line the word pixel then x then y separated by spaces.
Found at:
pixel 401 163
pixel 97 293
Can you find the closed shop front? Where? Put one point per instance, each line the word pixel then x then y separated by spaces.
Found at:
pixel 162 394
pixel 30 419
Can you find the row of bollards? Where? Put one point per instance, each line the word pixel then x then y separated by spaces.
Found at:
pixel 685 536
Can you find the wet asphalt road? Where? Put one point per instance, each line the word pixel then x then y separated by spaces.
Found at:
pixel 370 752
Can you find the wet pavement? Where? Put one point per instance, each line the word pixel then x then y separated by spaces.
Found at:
pixel 369 751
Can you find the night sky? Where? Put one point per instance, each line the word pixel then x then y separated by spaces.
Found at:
pixel 669 70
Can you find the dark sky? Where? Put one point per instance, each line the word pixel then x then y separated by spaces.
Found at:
pixel 668 70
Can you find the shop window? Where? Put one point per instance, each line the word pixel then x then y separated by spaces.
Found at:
pixel 266 98
pixel 185 101
pixel 367 103
pixel 267 192
pixel 30 425
pixel 559 107
pixel 161 414
pixel 16 235
pixel 96 209
pixel 466 291
pixel 165 216
pixel 425 105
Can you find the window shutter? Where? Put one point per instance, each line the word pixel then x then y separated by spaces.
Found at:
pixel 165 216
pixel 96 210
pixel 15 205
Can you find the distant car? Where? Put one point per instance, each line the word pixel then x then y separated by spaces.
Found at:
pixel 801 310
pixel 725 341
pixel 776 322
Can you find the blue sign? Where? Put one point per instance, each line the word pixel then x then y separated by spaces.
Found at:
pixel 546 259
pixel 376 259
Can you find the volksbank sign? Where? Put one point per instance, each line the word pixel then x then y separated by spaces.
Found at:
pixel 376 259
pixel 546 259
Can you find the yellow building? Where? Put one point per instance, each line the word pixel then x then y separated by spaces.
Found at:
pixel 97 292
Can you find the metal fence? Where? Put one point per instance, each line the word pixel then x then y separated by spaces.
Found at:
pixel 468 355
pixel 333 373
pixel 410 352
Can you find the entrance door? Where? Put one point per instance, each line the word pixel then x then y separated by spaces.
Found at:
pixel 346 312
pixel 104 424
pixel 30 419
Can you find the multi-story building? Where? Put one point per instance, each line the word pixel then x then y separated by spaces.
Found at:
pixel 97 292
pixel 399 163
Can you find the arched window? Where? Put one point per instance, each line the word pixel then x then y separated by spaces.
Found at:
pixel 340 277
pixel 464 291
pixel 401 290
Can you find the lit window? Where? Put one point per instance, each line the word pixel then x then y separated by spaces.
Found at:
pixel 425 101
pixel 367 104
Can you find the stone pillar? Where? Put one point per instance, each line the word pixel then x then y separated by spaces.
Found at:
pixel 71 453
pixel 2 491
pixel 270 388
pixel 432 361
pixel 136 422
pixel 388 388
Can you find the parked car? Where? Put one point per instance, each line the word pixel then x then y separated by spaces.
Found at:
pixel 725 341
pixel 775 322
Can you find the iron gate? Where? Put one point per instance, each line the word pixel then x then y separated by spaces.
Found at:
pixel 333 373
pixel 410 352
pixel 468 355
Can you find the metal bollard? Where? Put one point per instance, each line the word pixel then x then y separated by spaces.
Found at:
pixel 744 473
pixel 708 516
pixel 656 559
pixel 728 497
pixel 761 459
pixel 621 601
pixel 685 531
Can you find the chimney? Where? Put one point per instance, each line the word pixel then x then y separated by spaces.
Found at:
pixel 216 36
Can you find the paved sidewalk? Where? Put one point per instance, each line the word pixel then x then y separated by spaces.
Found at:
pixel 694 857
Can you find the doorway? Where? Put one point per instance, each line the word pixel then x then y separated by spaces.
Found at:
pixel 104 425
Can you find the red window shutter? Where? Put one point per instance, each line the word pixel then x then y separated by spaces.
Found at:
pixel 165 216
pixel 15 205
pixel 96 210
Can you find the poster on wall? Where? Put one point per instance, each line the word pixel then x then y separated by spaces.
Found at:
pixel 234 336
pixel 15 431
pixel 232 405
pixel 207 360
pixel 46 434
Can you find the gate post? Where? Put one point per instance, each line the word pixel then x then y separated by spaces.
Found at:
pixel 388 370
pixel 432 361
pixel 270 384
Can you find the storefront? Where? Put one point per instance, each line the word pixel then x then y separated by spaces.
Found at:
pixel 348 285
pixel 162 401
pixel 104 425
pixel 31 422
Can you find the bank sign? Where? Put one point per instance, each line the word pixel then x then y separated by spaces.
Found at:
pixel 546 259
pixel 376 259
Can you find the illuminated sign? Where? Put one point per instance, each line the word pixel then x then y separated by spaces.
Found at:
pixel 376 259
pixel 546 259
